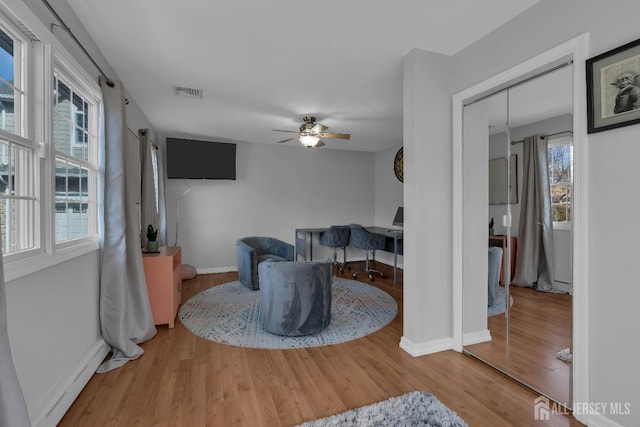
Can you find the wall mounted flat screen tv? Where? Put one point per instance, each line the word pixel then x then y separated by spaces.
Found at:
pixel 193 159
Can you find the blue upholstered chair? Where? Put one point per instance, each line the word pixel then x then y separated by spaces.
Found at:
pixel 369 241
pixel 337 236
pixel 255 250
pixel 495 261
pixel 295 297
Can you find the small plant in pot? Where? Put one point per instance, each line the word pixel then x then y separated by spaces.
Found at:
pixel 152 242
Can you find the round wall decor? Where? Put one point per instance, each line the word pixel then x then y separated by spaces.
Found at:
pixel 398 165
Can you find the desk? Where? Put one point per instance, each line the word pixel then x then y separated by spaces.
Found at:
pixel 304 241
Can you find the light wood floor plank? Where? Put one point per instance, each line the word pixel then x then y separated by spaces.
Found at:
pixel 184 380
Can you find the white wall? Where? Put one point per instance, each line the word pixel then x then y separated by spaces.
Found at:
pixel 54 330
pixel 428 203
pixel 278 188
pixel 613 359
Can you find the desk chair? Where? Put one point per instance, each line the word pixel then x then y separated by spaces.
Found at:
pixel 337 236
pixel 365 239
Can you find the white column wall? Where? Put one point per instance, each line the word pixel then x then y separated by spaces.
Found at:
pixel 428 203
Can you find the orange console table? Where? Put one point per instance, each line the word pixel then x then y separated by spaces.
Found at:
pixel 164 283
pixel 501 242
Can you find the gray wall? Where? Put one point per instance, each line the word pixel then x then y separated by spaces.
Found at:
pixel 279 188
pixel 613 175
pixel 428 203
pixel 389 194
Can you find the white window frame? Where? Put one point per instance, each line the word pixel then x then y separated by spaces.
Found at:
pixel 92 97
pixel 553 142
pixel 45 52
pixel 25 72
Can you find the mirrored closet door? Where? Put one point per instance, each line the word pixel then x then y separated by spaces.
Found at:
pixel 517 182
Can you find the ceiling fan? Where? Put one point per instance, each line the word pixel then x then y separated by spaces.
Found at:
pixel 310 133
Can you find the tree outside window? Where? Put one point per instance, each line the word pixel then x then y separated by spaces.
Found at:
pixel 560 154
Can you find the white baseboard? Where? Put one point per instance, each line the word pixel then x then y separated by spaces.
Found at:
pixel 476 337
pixel 69 387
pixel 429 347
pixel 213 270
pixel 599 420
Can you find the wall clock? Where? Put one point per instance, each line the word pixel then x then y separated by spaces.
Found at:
pixel 398 165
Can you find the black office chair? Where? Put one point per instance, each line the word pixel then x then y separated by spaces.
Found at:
pixel 365 239
pixel 337 236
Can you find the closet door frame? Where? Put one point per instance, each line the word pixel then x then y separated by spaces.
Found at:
pixel 575 50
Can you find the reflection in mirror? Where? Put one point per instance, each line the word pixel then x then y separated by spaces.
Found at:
pixel 484 310
pixel 531 339
pixel 503 183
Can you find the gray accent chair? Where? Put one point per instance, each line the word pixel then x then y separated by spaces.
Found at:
pixel 495 261
pixel 295 297
pixel 369 241
pixel 337 236
pixel 254 250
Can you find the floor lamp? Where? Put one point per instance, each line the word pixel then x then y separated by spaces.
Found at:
pixel 184 193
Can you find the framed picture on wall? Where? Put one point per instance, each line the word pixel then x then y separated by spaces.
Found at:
pixel 613 88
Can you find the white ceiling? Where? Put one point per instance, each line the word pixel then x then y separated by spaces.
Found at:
pixel 262 65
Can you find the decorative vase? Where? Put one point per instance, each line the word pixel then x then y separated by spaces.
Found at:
pixel 153 246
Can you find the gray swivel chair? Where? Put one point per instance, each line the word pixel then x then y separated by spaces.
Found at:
pixel 337 236
pixel 255 250
pixel 365 239
pixel 295 297
pixel 495 262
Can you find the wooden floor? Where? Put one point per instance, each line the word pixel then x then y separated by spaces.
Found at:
pixel 184 380
pixel 540 325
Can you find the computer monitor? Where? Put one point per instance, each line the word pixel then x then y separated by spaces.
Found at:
pixel 399 218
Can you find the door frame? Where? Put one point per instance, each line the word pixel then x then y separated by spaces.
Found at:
pixel 575 50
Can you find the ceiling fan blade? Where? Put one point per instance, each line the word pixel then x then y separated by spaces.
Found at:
pixel 280 130
pixel 319 128
pixel 335 135
pixel 285 140
pixel 320 144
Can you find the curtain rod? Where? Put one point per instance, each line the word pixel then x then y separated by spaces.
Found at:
pixel 65 27
pixel 545 136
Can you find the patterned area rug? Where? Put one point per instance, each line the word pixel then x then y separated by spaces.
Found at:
pixel 230 314
pixel 417 408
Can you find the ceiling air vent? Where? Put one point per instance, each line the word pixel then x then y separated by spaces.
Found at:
pixel 187 92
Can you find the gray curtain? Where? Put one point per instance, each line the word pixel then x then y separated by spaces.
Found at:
pixel 149 198
pixel 13 409
pixel 534 257
pixel 125 312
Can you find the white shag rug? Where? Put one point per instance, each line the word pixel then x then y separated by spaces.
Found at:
pixel 230 314
pixel 565 355
pixel 416 409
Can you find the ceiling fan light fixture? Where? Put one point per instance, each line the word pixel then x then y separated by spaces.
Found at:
pixel 309 140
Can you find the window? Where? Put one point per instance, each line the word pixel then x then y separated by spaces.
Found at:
pixel 49 112
pixel 560 153
pixel 18 156
pixel 75 171
pixel 11 81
